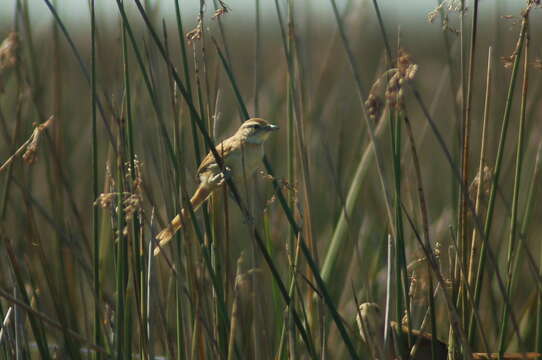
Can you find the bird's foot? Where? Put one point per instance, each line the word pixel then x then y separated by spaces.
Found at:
pixel 221 177
pixel 280 182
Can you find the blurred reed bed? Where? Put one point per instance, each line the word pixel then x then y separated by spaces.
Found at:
pixel 405 173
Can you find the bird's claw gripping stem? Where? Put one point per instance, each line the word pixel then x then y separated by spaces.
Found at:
pixel 221 177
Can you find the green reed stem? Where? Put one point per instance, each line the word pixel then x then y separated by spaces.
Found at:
pixel 512 246
pixel 95 215
pixel 496 173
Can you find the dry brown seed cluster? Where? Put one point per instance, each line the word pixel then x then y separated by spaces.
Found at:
pixel 197 32
pixel 393 93
pixel 132 205
pixel 406 70
pixel 487 175
pixel 8 55
pixel 223 9
pixel 138 177
pixel 406 67
pixel 132 201
pixel 507 61
pixel 30 153
pixel 374 106
pixel 445 8
pixel 8 51
pixel 105 200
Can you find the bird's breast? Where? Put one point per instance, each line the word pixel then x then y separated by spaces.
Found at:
pixel 245 161
pixel 242 162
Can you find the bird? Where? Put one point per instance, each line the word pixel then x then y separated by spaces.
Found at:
pixel 240 154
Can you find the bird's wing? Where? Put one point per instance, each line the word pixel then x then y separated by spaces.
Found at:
pixel 224 149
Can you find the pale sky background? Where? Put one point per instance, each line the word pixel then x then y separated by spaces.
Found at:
pixel 406 12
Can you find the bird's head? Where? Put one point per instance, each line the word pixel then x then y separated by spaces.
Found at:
pixel 256 130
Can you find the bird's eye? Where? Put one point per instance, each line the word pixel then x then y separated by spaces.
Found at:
pixel 256 126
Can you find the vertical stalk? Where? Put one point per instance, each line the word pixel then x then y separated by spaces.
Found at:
pixel 402 304
pixel 489 73
pixel 497 171
pixel 425 222
pixel 94 150
pixel 138 255
pixel 186 71
pixel 178 240
pixel 257 61
pixel 290 163
pixel 461 200
pixel 463 212
pixel 512 246
pixel 121 260
pixel 178 249
pixel 538 338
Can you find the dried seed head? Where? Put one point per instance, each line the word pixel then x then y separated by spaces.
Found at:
pixel 444 9
pixel 135 174
pixel 436 250
pixel 395 80
pixel 412 288
pixel 374 106
pixel 105 200
pixel 432 15
pixel 487 174
pixel 370 321
pixel 223 9
pixel 132 202
pixel 8 51
pixel 197 32
pixel 404 319
pixel 392 90
pixel 403 61
pixel 406 70
pixel 8 56
pixel 30 153
pixel 455 5
pixel 131 205
pixel 508 61
pixel 406 67
pixel 411 71
pixel 109 179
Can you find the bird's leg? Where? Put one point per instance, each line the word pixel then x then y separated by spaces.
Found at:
pixel 219 178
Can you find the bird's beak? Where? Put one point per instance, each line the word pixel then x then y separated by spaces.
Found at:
pixel 272 127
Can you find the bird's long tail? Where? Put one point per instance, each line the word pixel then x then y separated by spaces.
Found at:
pixel 164 236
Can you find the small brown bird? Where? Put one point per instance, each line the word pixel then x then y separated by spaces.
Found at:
pixel 241 154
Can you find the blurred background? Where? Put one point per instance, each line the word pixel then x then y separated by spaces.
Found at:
pixel 83 265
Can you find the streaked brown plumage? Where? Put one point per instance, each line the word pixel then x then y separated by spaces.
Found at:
pixel 241 154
